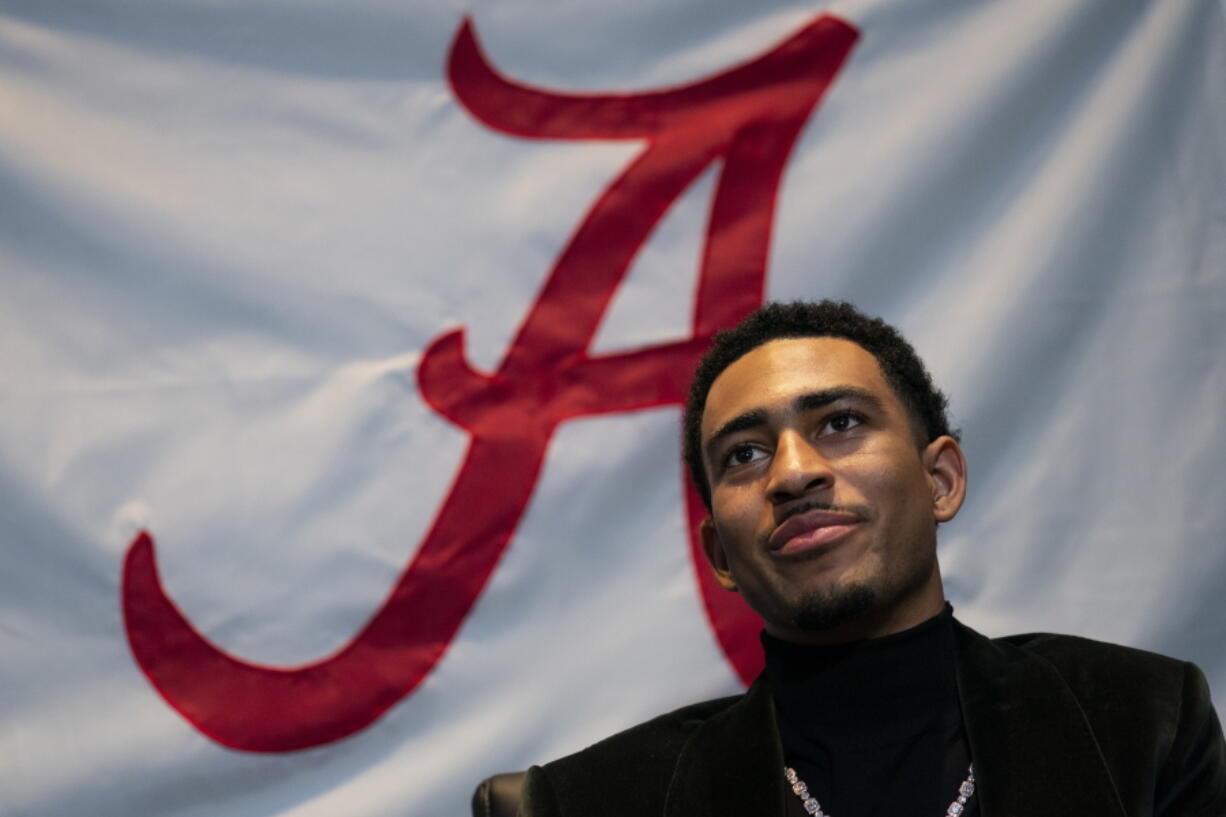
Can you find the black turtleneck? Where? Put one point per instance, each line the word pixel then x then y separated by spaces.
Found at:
pixel 873 727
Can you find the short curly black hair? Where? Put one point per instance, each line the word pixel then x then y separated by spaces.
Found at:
pixel 903 369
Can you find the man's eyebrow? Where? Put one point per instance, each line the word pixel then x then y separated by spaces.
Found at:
pixel 820 399
pixel 756 418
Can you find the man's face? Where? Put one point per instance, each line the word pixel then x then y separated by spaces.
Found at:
pixel 824 504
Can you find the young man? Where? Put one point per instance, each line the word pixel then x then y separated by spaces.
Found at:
pixel 824 454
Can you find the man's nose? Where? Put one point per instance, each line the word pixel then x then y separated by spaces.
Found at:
pixel 798 468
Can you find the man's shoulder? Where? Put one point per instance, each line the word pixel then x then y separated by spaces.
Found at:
pixel 1088 665
pixel 1128 697
pixel 629 772
pixel 1150 716
pixel 1075 648
pixel 662 736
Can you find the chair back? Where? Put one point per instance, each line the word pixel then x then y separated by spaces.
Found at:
pixel 498 795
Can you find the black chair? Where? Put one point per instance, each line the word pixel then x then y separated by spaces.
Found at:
pixel 498 795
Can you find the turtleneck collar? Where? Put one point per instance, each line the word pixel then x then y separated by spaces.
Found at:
pixel 900 682
pixel 873 726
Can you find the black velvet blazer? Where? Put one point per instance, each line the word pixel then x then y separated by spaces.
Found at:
pixel 1058 726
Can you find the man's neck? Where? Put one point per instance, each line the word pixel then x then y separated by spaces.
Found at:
pixel 879 622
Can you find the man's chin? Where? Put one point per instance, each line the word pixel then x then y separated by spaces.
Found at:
pixel 823 610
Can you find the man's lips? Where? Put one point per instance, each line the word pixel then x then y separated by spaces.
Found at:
pixel 810 530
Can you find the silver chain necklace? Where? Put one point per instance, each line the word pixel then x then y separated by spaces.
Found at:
pixel 802 791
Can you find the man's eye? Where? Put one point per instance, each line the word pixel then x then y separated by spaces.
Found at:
pixel 845 421
pixel 743 455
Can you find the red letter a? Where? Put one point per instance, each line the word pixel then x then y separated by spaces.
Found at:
pixel 749 117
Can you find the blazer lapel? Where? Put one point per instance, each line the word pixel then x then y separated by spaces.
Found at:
pixel 1033 750
pixel 733 764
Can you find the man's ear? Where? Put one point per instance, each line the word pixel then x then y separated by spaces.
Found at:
pixel 713 547
pixel 946 471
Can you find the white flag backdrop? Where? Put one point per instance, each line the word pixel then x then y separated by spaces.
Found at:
pixel 230 232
